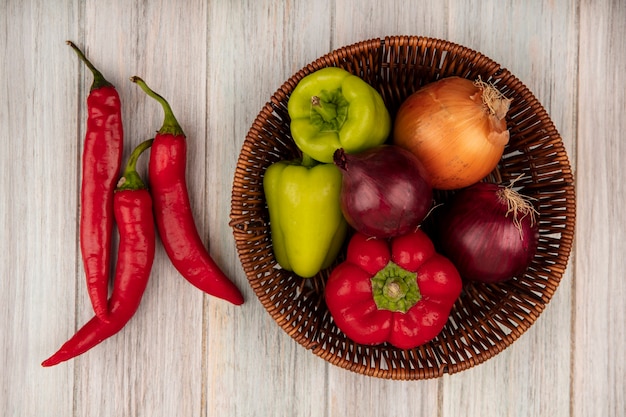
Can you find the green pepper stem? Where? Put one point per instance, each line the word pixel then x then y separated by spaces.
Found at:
pixel 98 79
pixel 395 289
pixel 170 124
pixel 328 111
pixel 131 180
pixel 308 161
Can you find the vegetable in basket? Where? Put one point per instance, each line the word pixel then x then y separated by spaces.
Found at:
pixel 489 231
pixel 395 290
pixel 306 223
pixel 456 127
pixel 331 109
pixel 385 190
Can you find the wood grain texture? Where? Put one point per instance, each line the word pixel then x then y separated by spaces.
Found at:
pixel 599 369
pixel 218 62
pixel 39 206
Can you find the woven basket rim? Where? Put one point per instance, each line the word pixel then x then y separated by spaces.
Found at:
pixel 296 305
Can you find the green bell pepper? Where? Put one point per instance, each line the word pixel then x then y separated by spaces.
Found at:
pixel 306 223
pixel 331 109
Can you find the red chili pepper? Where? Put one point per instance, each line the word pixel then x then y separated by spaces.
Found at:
pixel 174 218
pixel 133 214
pixel 398 291
pixel 102 156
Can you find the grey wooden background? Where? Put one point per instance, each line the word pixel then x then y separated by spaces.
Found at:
pixel 218 62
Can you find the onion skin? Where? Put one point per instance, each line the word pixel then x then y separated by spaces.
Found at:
pixel 454 133
pixel 480 238
pixel 385 191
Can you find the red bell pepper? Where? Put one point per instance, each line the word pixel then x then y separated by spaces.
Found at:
pixel 396 290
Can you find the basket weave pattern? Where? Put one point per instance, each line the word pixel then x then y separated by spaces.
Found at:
pixel 486 318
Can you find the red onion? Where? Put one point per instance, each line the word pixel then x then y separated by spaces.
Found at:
pixel 384 192
pixel 489 232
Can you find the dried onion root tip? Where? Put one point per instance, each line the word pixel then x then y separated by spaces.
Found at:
pixel 518 205
pixel 486 232
pixel 493 98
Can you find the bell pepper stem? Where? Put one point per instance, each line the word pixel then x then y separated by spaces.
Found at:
pixel 308 161
pixel 395 289
pixel 328 111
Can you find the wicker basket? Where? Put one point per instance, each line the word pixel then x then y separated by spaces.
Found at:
pixel 486 318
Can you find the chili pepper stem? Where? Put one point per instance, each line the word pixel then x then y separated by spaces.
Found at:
pixel 98 79
pixel 170 124
pixel 131 180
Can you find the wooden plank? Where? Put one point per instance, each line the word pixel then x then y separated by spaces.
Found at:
pixel 599 328
pixel 38 207
pixel 358 21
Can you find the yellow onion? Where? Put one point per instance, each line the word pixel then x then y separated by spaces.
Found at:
pixel 457 129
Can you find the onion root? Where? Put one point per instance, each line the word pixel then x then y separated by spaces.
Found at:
pixel 493 98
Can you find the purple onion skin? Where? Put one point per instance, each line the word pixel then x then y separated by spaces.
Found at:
pixel 482 242
pixel 385 190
